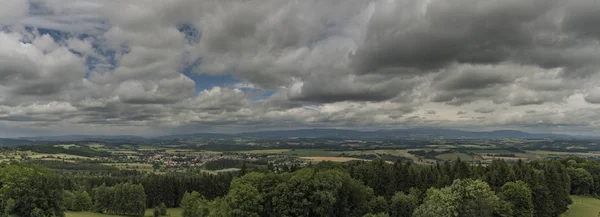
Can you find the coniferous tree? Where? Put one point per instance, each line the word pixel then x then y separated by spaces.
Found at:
pixel 559 186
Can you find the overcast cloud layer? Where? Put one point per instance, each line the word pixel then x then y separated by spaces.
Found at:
pixel 135 66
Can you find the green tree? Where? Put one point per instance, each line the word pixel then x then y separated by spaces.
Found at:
pixel 403 205
pixel 30 191
pixel 379 205
pixel 128 199
pixel 68 199
pixel 499 172
pixel 438 203
pixel 461 169
pixel 322 193
pixel 244 200
pixel 194 205
pixel 518 195
pixel 156 211
pixel 162 208
pixel 581 181
pixel 82 202
pixel 103 198
pixel 542 203
pixel 464 198
pixel 559 186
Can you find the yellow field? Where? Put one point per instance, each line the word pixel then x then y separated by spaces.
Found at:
pixel 66 146
pixel 96 145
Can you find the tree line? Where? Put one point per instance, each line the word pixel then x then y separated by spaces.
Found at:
pixel 375 188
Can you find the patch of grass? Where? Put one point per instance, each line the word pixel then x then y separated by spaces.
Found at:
pixel 529 156
pixel 171 212
pixel 121 151
pixel 333 159
pixel 583 207
pixel 489 151
pixel 132 166
pixel 57 156
pixel 312 153
pixel 564 153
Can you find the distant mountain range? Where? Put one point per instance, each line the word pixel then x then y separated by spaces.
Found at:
pixel 423 133
pixel 414 133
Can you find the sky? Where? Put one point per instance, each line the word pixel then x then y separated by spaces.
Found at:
pixel 157 67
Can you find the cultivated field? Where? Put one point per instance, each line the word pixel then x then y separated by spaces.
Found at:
pixel 454 156
pixel 334 159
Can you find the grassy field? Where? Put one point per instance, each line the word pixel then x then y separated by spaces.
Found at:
pixel 333 159
pixel 172 212
pixel 453 156
pixel 96 145
pixel 66 146
pixel 556 153
pixel 132 166
pixel 188 151
pixel 312 153
pixel 266 151
pixel 583 207
pixel 57 156
pixel 488 151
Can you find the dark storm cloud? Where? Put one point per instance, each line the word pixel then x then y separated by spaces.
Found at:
pixel 583 18
pixel 336 88
pixel 463 31
pixel 472 79
pixel 39 88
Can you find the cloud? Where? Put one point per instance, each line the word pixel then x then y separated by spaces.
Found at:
pixel 134 66
pixel 41 69
pixel 594 96
pixel 13 10
pixel 485 110
pixel 432 34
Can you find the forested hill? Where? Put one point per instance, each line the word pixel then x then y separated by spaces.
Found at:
pixel 355 189
pixel 16 142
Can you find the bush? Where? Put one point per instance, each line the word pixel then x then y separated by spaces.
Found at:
pixel 162 209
